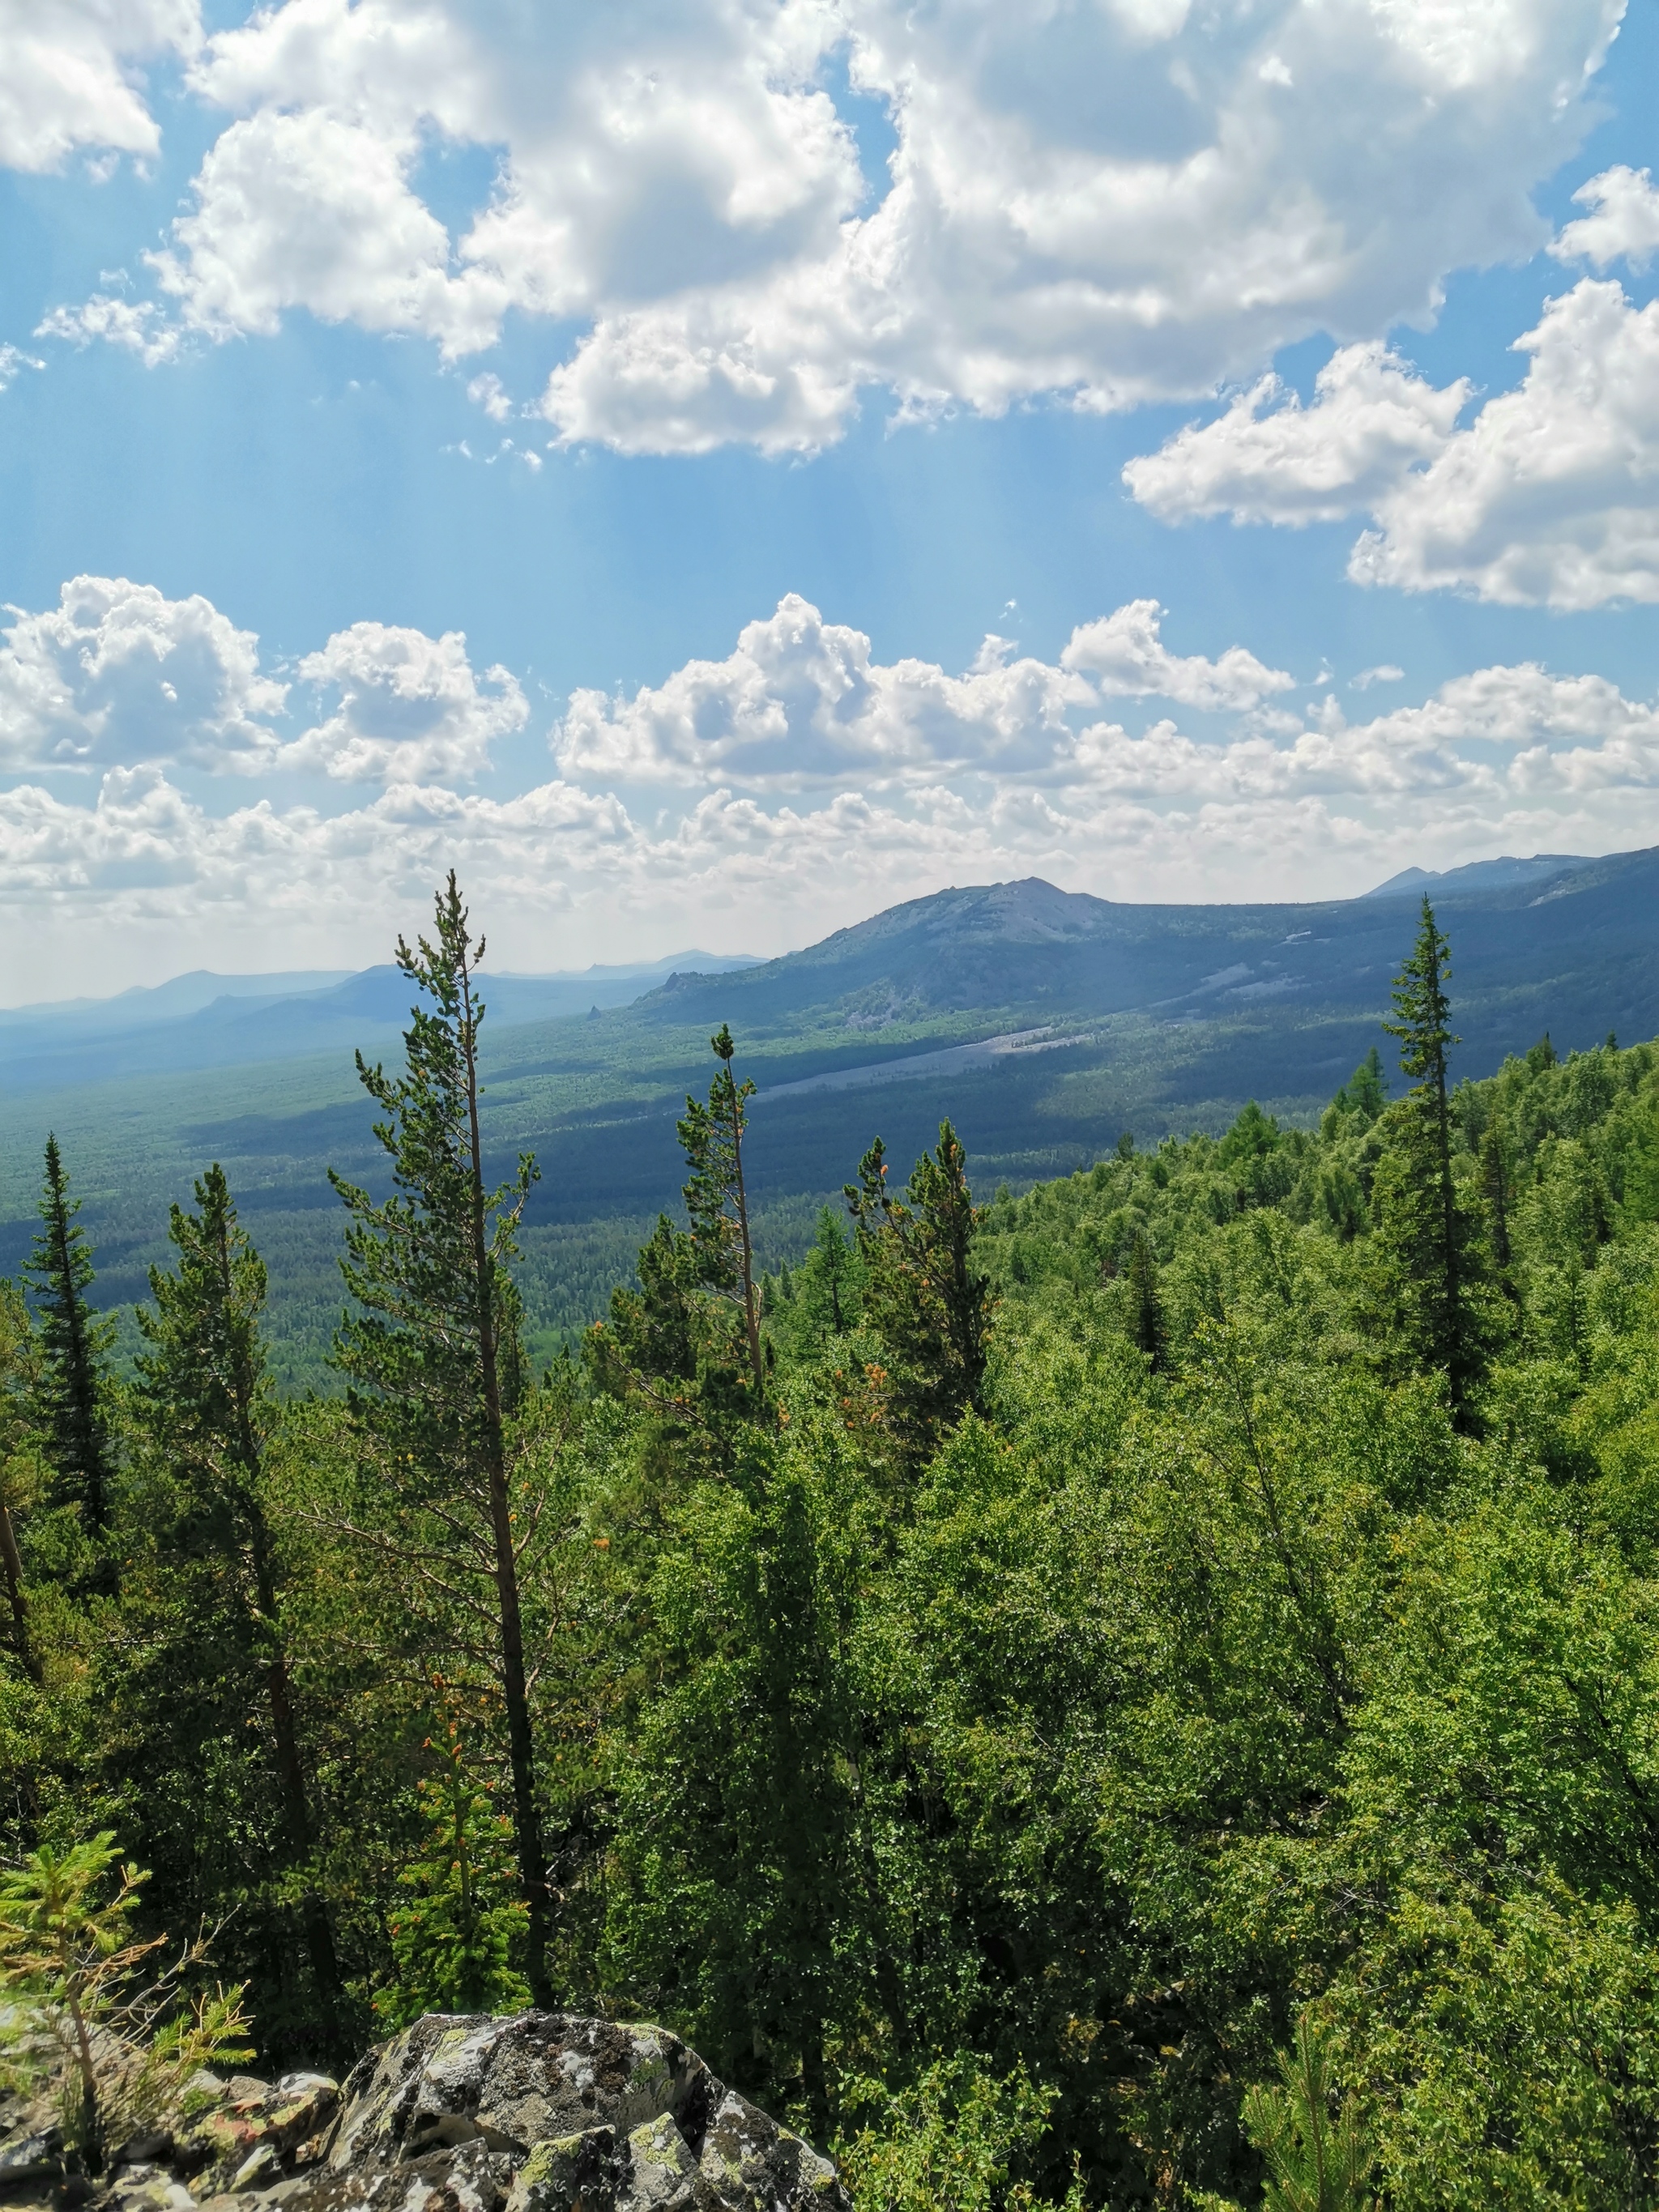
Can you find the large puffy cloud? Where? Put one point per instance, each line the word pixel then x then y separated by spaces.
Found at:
pixel 1126 657
pixel 310 210
pixel 637 156
pixel 1512 759
pixel 1268 459
pixel 116 671
pixel 70 79
pixel 410 709
pixel 1549 496
pixel 816 784
pixel 118 674
pixel 1552 493
pixel 800 700
pixel 1111 202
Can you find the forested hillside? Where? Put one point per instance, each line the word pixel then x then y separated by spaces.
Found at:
pixel 1043 1023
pixel 1136 1694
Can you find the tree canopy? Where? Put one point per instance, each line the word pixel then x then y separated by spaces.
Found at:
pixel 1144 1691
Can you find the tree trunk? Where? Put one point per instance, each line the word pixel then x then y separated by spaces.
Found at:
pixel 290 1774
pixel 751 1317
pixel 11 1560
pixel 533 1873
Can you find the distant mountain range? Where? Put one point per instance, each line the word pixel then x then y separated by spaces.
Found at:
pixel 1505 874
pixel 203 1020
pixel 1555 940
pixel 1042 1022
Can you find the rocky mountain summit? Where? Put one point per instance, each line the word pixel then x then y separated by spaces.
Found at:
pixel 538 2112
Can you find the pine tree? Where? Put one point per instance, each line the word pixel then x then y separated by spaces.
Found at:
pixel 717 1202
pixel 454 1934
pixel 1316 2162
pixel 1145 1306
pixel 432 1353
pixel 692 1333
pixel 923 1294
pixel 74 1346
pixel 1495 1184
pixel 1422 1232
pixel 204 1392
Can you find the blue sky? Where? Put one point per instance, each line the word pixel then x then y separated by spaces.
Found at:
pixel 596 451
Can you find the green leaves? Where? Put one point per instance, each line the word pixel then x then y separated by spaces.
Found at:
pixel 71 1962
pixel 457 1926
pixel 924 1296
pixel 949 2143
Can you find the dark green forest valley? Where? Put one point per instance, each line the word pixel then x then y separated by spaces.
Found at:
pixel 1079 1668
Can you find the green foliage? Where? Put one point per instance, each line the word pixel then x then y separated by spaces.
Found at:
pixel 207 1414
pixel 1425 1235
pixel 949 2144
pixel 1315 2161
pixel 693 1327
pixel 74 1347
pixel 433 1347
pixel 923 1296
pixel 455 1933
pixel 70 1963
pixel 999 1755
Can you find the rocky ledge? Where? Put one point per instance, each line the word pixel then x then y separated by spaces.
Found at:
pixel 540 2112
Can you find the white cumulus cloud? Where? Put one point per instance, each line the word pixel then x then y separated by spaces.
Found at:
pixel 1111 203
pixel 117 673
pixel 802 701
pixel 71 79
pixel 314 210
pixel 816 783
pixel 136 325
pixel 1551 496
pixel 1548 496
pixel 1623 225
pixel 1125 655
pixel 410 710
pixel 1268 459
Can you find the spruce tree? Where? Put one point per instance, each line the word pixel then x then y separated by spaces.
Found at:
pixel 1495 1184
pixel 717 1201
pixel 432 1353
pixel 1423 1233
pixel 1365 1092
pixel 207 1399
pixel 693 1327
pixel 923 1294
pixel 827 1283
pixel 1145 1314
pixel 74 1346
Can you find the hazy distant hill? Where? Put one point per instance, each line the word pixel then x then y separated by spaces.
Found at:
pixel 203 1020
pixel 1044 1022
pixel 1505 874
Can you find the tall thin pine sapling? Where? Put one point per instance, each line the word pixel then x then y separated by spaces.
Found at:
pixel 718 1202
pixel 432 1353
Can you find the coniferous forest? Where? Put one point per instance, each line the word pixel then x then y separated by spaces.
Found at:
pixel 1144 1692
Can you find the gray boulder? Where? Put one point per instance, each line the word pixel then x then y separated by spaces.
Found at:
pixel 554 2113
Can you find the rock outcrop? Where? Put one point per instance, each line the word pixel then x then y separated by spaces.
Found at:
pixel 538 2112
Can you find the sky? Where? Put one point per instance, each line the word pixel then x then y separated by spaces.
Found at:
pixel 707 470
